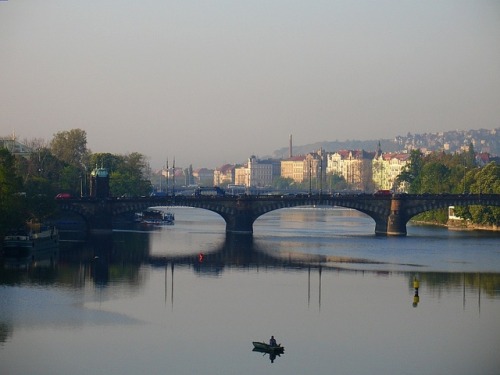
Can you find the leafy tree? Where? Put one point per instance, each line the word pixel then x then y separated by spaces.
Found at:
pixel 487 181
pixel 434 178
pixel 336 182
pixel 106 160
pixel 12 212
pixel 137 163
pixel 412 175
pixel 439 173
pixel 40 201
pixel 71 147
pixel 130 185
pixel 41 179
pixel 69 181
pixel 45 164
pixel 44 177
pixel 281 183
pixel 129 174
pixel 470 157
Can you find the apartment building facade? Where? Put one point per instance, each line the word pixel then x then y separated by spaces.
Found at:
pixel 203 176
pixel 304 167
pixel 224 175
pixel 386 168
pixel 255 173
pixel 355 166
pixel 293 168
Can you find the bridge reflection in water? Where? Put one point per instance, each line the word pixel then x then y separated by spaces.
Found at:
pixel 105 258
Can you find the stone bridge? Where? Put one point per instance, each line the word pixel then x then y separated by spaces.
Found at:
pixel 390 212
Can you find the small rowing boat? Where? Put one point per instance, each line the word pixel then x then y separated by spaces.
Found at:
pixel 266 348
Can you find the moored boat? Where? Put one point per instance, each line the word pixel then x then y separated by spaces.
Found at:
pixel 157 217
pixel 33 242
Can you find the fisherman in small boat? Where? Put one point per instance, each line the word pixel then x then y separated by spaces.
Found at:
pixel 272 342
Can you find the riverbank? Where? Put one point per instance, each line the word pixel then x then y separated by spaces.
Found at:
pixel 464 225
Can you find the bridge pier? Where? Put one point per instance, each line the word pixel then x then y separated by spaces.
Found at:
pixel 241 223
pixel 393 224
pixel 101 222
pixel 396 222
pixel 381 227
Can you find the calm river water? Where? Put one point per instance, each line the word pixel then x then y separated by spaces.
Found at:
pixel 186 299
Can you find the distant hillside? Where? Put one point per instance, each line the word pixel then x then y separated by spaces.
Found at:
pixel 484 140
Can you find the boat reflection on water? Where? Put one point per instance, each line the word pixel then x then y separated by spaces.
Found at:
pixel 47 259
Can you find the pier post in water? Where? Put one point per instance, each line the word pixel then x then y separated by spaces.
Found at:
pixel 396 223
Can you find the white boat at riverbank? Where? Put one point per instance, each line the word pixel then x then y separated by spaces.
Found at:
pixel 155 217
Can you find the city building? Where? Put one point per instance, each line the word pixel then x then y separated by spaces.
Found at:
pixel 224 175
pixel 203 176
pixel 293 168
pixel 354 165
pixel 301 168
pixel 255 173
pixel 15 147
pixel 304 167
pixel 386 168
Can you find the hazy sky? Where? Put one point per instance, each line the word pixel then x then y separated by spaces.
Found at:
pixel 211 82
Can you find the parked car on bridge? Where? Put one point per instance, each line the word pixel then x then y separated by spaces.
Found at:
pixel 382 193
pixel 64 196
pixel 158 194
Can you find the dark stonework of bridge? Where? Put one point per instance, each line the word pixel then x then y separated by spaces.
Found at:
pixel 391 213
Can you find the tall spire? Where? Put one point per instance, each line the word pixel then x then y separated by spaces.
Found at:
pixel 379 151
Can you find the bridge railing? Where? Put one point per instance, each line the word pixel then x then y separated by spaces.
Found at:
pixel 230 197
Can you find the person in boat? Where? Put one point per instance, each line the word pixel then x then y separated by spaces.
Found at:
pixel 272 342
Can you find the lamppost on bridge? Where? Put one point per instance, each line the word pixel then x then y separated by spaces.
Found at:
pixel 83 182
pixel 82 178
pixel 321 172
pixel 310 177
pixel 173 178
pixel 168 172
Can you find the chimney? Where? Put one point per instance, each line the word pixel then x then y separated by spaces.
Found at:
pixel 290 154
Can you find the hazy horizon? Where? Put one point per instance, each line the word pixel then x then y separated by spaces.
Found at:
pixel 215 82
